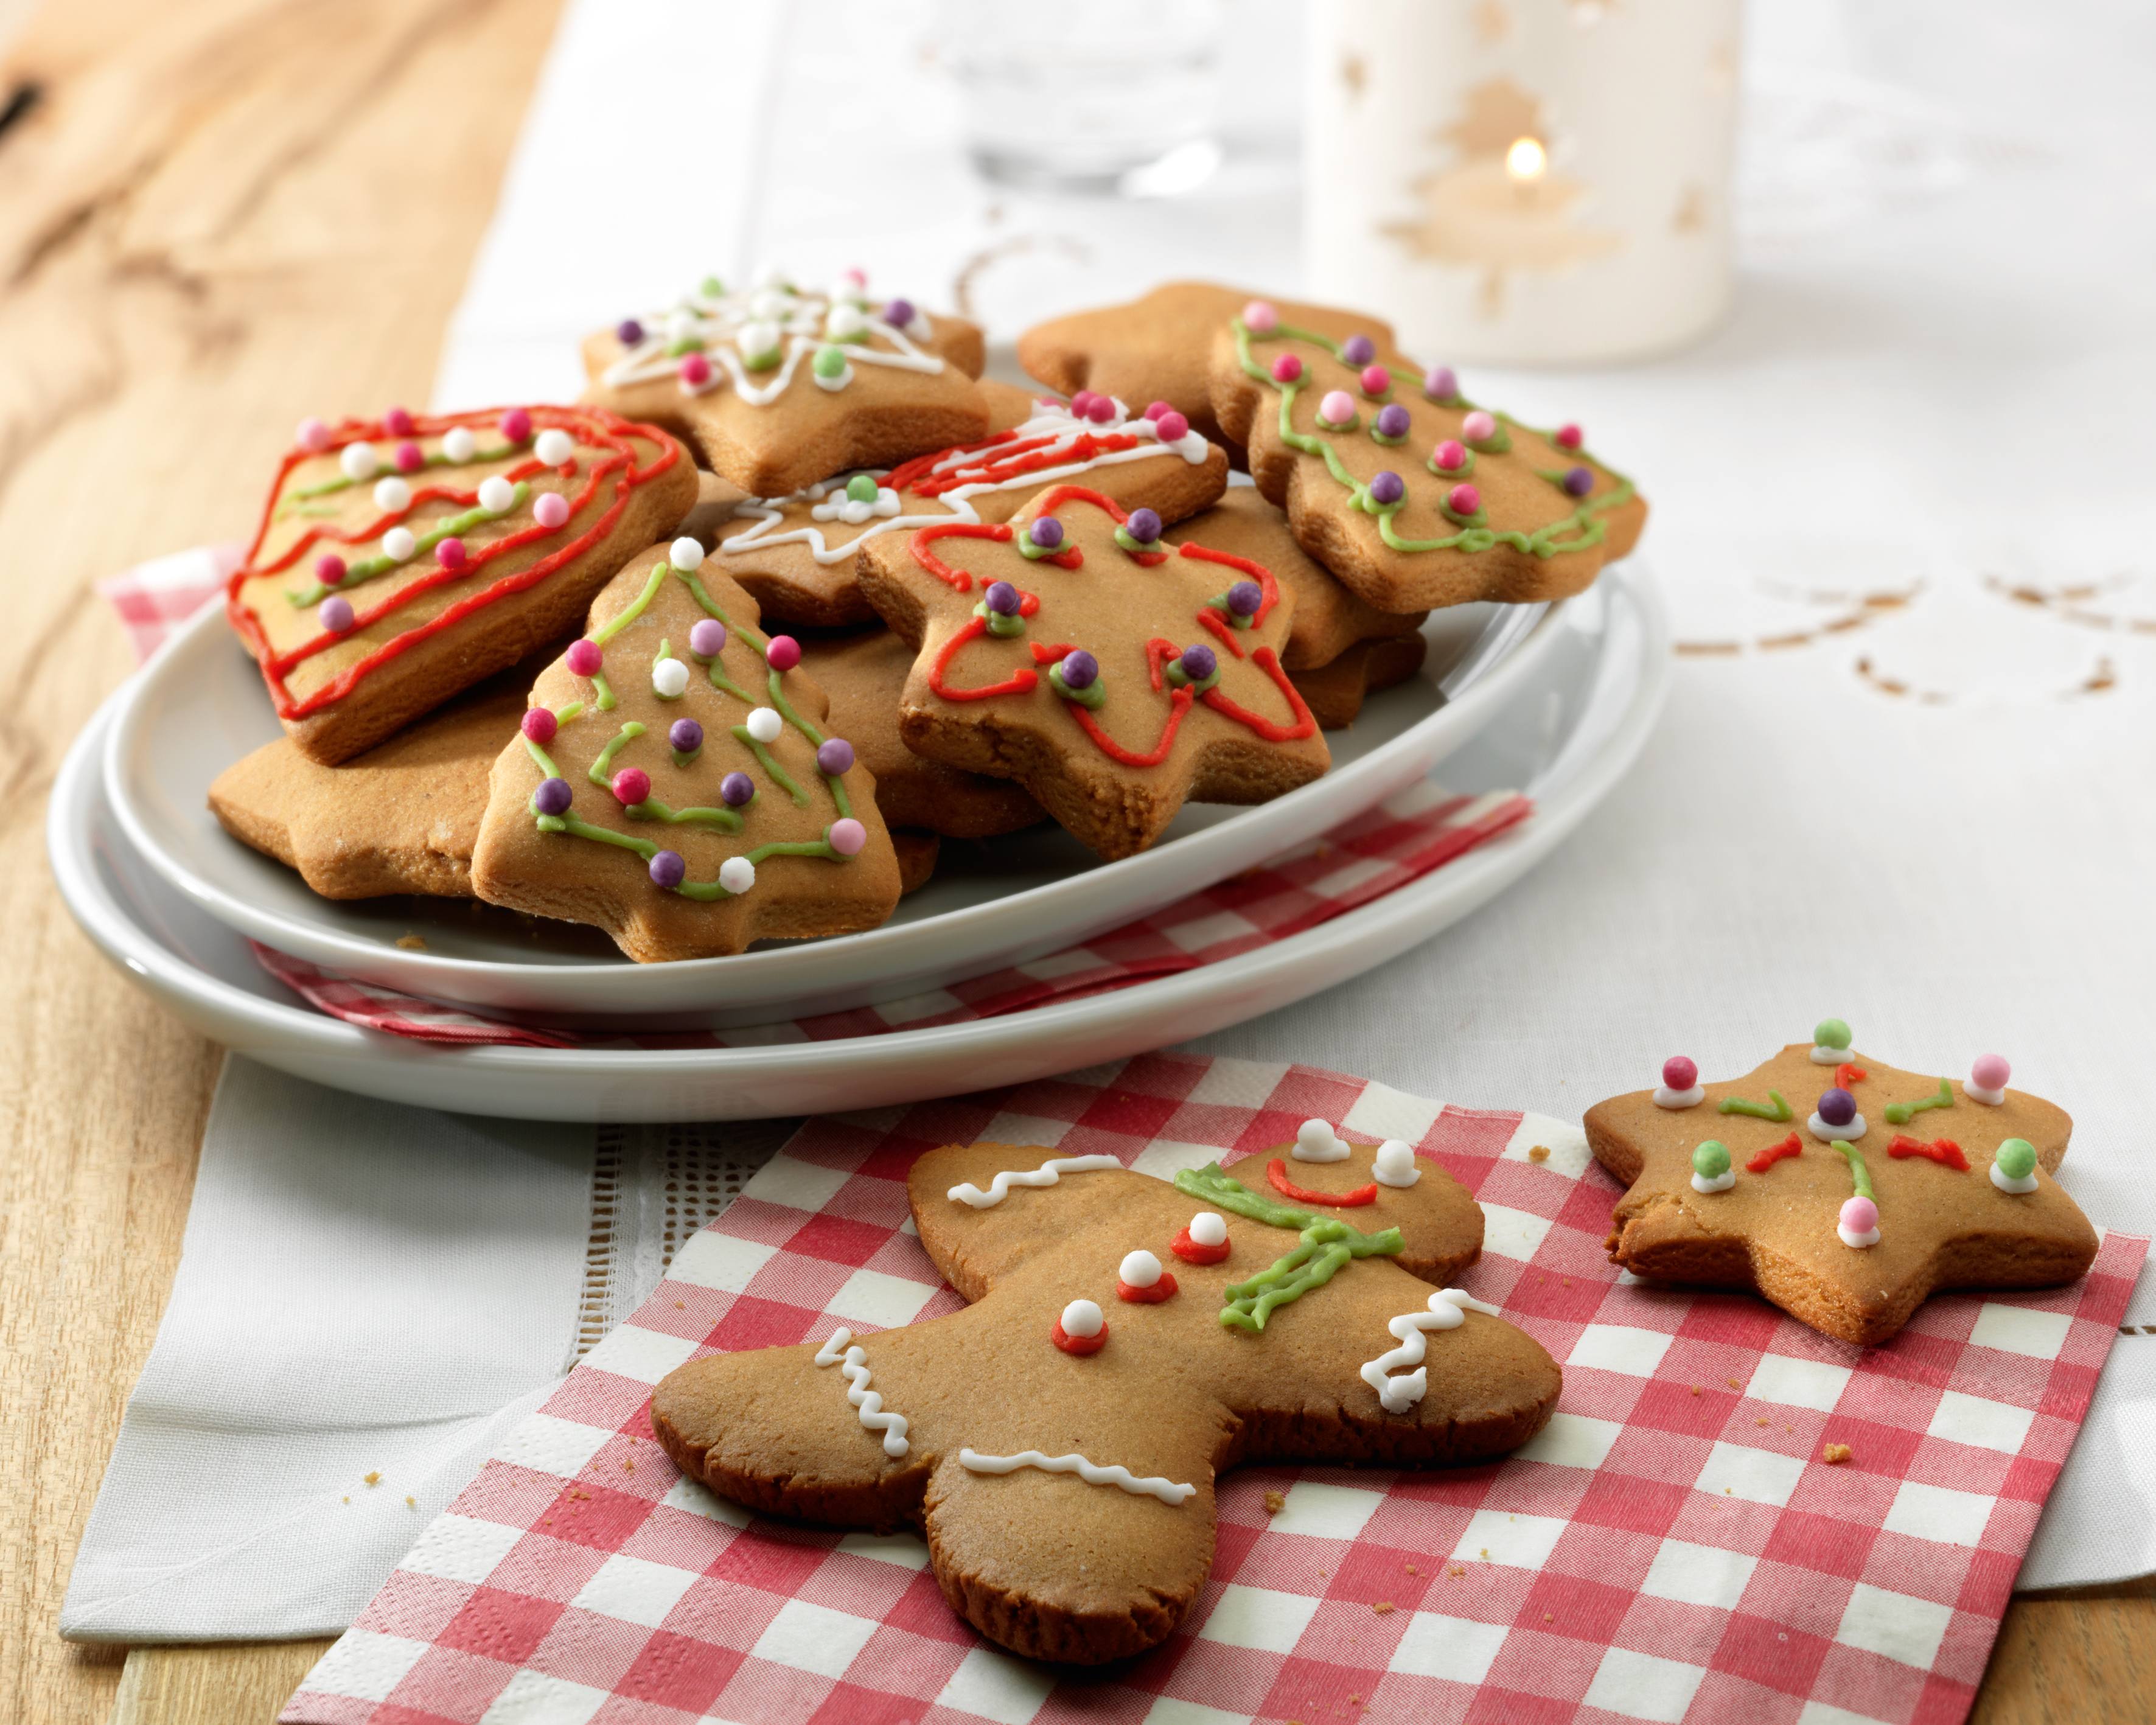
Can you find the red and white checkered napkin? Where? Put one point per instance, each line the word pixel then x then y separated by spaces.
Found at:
pixel 1671 1547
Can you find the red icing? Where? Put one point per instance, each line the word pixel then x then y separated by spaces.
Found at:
pixel 1019 682
pixel 1849 1073
pixel 1257 571
pixel 1010 459
pixel 1164 1289
pixel 1179 705
pixel 935 566
pixel 1268 662
pixel 1791 1146
pixel 1081 1345
pixel 1944 1151
pixel 1188 1249
pixel 1277 1171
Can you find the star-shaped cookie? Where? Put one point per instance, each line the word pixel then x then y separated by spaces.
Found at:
pixel 1410 493
pixel 1844 1190
pixel 1114 677
pixel 777 388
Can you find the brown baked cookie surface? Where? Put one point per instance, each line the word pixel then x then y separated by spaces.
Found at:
pixel 1926 1197
pixel 1113 676
pixel 401 560
pixel 1159 348
pixel 777 387
pixel 865 676
pixel 1335 692
pixel 916 852
pixel 1408 492
pixel 1064 1479
pixel 673 786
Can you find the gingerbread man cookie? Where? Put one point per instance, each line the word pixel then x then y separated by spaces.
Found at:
pixel 1129 1340
pixel 777 388
pixel 1401 486
pixel 1842 1189
pixel 400 560
pixel 1114 676
pixel 672 786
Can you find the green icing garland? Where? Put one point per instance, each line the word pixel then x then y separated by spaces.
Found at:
pixel 1898 1113
pixel 1328 1243
pixel 1776 1109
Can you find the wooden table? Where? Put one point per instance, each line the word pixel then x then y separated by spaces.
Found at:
pixel 216 217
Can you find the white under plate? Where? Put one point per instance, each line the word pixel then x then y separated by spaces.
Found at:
pixel 197 706
pixel 1565 735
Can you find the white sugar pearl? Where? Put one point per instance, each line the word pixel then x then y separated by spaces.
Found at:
pixel 359 462
pixel 844 320
pixel 555 446
pixel 1315 1142
pixel 1082 1319
pixel 764 724
pixel 458 444
pixel 669 677
pixel 757 338
pixel 496 495
pixel 686 554
pixel 398 545
pixel 679 326
pixel 737 874
pixel 1395 1164
pixel 1138 1269
pixel 1208 1228
pixel 391 494
pixel 769 304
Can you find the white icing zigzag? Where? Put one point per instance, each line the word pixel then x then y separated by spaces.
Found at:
pixel 852 1367
pixel 1047 1174
pixel 1448 1309
pixel 1167 1491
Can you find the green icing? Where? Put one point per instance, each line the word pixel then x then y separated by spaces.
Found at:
pixel 1326 1245
pixel 1776 1110
pixel 601 773
pixel 1897 1113
pixel 1091 696
pixel 371 568
pixel 779 776
pixel 606 702
pixel 651 809
pixel 1857 1171
pixel 344 483
pixel 615 624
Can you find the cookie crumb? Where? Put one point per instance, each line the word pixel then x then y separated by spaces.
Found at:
pixel 1457 1569
pixel 1486 1553
pixel 411 1503
pixel 1734 1384
pixel 1547 1618
pixel 1835 1454
pixel 1412 1570
pixel 1758 1422
pixel 629 1467
pixel 1382 1607
pixel 411 942
pixel 1538 1152
pixel 680 1305
pixel 374 1478
pixel 347 1500
pixel 1274 1503
pixel 1694 1390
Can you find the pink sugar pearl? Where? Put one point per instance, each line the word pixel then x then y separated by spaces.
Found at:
pixel 1260 317
pixel 1286 368
pixel 695 370
pixel 1451 454
pixel 1338 407
pixel 1990 1072
pixel 631 786
pixel 540 724
pixel 1465 500
pixel 1568 437
pixel 1478 427
pixel 410 458
pixel 585 658
pixel 1157 409
pixel 313 436
pixel 516 425
pixel 1376 380
pixel 552 510
pixel 329 568
pixel 398 422
pixel 1100 409
pixel 847 836
pixel 450 554
pixel 1680 1072
pixel 783 653
pixel 1170 428
pixel 1860 1215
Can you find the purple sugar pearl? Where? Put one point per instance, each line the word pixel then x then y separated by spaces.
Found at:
pixel 1198 662
pixel 667 868
pixel 685 734
pixel 1003 598
pixel 335 614
pixel 1359 349
pixel 1080 668
pixel 1579 482
pixel 833 755
pixel 707 637
pixel 1245 597
pixel 735 789
pixel 1392 421
pixel 1143 525
pixel 1837 1107
pixel 552 796
pixel 899 313
pixel 1387 487
pixel 629 333
pixel 1047 533
pixel 1440 384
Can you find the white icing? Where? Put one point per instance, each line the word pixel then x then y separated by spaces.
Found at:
pixel 2007 1183
pixel 1395 1164
pixel 1055 423
pixel 1447 1311
pixel 1315 1141
pixel 1047 1174
pixel 838 506
pixel 1082 1320
pixel 1721 1183
pixel 852 1367
pixel 836 381
pixel 1827 1134
pixel 1167 1491
pixel 1989 1098
pixel 1665 1097
pixel 1822 1056
pixel 1859 1241
pixel 1208 1228
pixel 1138 1269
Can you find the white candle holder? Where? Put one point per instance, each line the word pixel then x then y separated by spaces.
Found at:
pixel 1522 181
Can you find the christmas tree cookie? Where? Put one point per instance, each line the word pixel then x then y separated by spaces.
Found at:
pixel 672 784
pixel 400 560
pixel 778 387
pixel 1401 486
pixel 1113 675
pixel 1129 1340
pixel 1844 1190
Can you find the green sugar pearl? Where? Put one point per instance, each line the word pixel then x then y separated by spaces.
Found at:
pixel 1711 1161
pixel 861 488
pixel 1831 1033
pixel 2017 1159
pixel 711 287
pixel 829 361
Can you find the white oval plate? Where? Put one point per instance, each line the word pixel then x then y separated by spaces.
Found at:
pixel 1566 736
pixel 197 706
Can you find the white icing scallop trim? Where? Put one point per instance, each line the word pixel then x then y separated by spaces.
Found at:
pixel 1989 1098
pixel 2007 1183
pixel 851 1363
pixel 1721 1183
pixel 1047 1174
pixel 1858 1240
pixel 1395 1164
pixel 1167 1491
pixel 1822 1056
pixel 1665 1097
pixel 1315 1141
pixel 1827 1134
pixel 1448 1310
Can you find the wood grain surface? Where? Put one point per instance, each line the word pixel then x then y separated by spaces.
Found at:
pixel 216 217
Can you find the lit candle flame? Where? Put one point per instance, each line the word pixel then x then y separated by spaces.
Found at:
pixel 1526 160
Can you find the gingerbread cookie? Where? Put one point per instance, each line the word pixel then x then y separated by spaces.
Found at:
pixel 1844 1190
pixel 864 675
pixel 798 554
pixel 1112 675
pixel 1335 693
pixel 1328 618
pixel 1058 1440
pixel 402 559
pixel 917 853
pixel 778 388
pixel 672 786
pixel 1160 347
pixel 1401 486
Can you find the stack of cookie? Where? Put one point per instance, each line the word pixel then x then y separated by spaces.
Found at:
pixel 724 651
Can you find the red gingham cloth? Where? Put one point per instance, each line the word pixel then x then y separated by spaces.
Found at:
pixel 1672 1547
